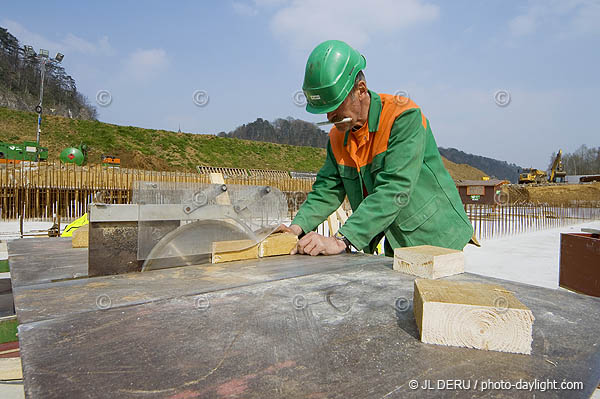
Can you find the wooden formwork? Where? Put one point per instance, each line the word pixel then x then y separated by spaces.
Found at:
pixel 42 190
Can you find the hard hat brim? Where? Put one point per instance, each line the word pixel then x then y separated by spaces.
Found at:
pixel 323 109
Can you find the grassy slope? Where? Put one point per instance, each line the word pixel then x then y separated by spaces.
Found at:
pixel 155 149
pixel 164 150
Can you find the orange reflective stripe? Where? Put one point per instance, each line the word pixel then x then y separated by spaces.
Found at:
pixel 363 145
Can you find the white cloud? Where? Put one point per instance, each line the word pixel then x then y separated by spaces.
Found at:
pixel 252 8
pixel 564 18
pixel 244 9
pixel 522 25
pixel 70 44
pixel 143 65
pixel 305 23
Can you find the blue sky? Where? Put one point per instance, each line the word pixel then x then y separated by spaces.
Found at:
pixel 248 57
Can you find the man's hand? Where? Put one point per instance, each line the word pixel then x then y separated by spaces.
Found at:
pixel 294 229
pixel 315 244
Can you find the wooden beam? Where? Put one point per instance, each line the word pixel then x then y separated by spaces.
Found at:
pixel 277 244
pixel 229 251
pixel 273 245
pixel 332 222
pixel 222 199
pixel 81 237
pixel 428 261
pixel 472 315
pixel 10 369
pixel 341 214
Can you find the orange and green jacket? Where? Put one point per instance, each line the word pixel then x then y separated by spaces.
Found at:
pixel 395 180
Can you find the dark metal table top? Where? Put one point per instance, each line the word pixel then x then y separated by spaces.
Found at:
pixel 291 326
pixel 45 259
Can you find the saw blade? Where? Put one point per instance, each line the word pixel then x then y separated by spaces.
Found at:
pixel 179 222
pixel 191 244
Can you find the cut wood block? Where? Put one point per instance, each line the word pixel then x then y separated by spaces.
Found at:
pixel 472 315
pixel 228 251
pixel 429 261
pixel 10 369
pixel 81 237
pixel 277 244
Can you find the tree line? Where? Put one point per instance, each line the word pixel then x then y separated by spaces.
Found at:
pixel 583 161
pixel 20 83
pixel 283 131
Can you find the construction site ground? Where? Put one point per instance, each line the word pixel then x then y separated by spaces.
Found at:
pixel 555 194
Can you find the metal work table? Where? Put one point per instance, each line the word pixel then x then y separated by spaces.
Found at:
pixel 290 326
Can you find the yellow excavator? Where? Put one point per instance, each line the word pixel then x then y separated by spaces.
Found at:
pixel 557 173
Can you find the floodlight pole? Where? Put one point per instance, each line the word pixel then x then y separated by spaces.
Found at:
pixel 43 59
pixel 39 108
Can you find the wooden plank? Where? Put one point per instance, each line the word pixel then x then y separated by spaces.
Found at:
pixel 228 251
pixel 10 369
pixel 80 237
pixel 277 244
pixel 332 222
pixel 428 261
pixel 341 214
pixel 472 315
pixel 222 199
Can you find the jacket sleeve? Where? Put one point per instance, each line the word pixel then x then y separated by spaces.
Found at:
pixel 326 196
pixel 394 184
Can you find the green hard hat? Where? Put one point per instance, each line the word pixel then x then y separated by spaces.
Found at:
pixel 329 77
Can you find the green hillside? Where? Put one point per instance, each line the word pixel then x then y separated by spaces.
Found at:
pixel 155 149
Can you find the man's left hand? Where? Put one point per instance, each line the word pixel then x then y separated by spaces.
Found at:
pixel 315 244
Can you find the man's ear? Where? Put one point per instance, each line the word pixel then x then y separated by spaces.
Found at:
pixel 362 89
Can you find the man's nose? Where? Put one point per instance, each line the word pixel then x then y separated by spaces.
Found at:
pixel 330 115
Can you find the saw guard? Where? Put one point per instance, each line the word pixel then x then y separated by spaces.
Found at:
pixel 178 222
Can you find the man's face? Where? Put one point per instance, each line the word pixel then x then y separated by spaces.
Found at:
pixel 350 108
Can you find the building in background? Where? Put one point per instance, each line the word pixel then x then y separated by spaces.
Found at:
pixel 481 191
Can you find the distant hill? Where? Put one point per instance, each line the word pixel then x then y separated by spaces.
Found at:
pixel 283 131
pixel 492 167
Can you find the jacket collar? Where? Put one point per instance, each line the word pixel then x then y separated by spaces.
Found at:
pixel 374 113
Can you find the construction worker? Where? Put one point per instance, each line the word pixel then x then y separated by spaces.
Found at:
pixel 384 159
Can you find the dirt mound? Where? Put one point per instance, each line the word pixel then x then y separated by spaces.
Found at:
pixel 137 160
pixel 462 171
pixel 556 194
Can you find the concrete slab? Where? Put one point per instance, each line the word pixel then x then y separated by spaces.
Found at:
pixel 530 258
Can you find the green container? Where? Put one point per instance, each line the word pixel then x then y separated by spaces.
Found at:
pixel 23 152
pixel 72 155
